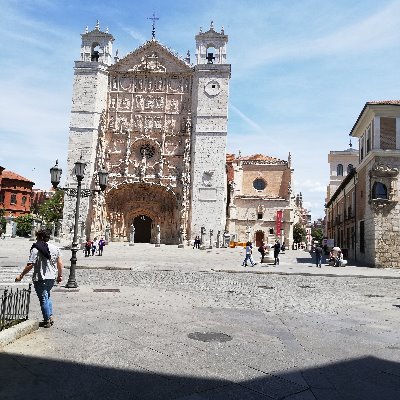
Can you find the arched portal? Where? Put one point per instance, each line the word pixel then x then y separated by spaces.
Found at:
pixel 128 203
pixel 259 238
pixel 142 224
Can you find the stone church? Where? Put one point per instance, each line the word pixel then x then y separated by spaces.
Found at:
pixel 158 124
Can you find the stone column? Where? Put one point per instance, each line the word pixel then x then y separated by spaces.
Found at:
pixel 248 232
pixel 211 236
pixel 14 229
pixel 158 236
pixel 132 236
pixel 202 238
pixel 107 234
pixel 82 239
pixel 218 239
pixel 181 239
pixel 32 238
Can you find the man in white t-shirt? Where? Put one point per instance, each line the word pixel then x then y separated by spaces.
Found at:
pixel 45 259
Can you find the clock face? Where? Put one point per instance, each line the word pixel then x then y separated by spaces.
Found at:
pixel 212 88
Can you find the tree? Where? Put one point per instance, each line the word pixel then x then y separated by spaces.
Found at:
pixel 317 235
pixel 24 224
pixel 299 233
pixel 3 221
pixel 52 209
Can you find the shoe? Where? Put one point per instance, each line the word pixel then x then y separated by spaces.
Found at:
pixel 47 324
pixel 51 319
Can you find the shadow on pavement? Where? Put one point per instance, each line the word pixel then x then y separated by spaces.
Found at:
pixel 37 378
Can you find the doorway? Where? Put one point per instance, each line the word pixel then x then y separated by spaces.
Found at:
pixel 142 225
pixel 259 238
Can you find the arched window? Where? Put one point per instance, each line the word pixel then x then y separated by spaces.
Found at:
pixel 210 54
pixel 349 168
pixel 339 170
pixel 379 191
pixel 259 184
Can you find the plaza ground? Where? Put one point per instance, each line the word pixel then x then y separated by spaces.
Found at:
pixel 169 323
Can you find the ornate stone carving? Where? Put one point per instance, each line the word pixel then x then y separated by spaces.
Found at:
pixel 149 63
pixel 383 170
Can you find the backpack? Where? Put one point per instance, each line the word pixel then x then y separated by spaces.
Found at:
pixel 261 249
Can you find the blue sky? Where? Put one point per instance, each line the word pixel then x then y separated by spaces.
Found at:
pixel 301 73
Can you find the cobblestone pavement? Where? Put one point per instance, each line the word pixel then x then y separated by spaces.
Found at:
pixel 196 325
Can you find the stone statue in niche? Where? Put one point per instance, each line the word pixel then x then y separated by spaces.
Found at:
pixel 113 102
pixel 173 105
pixel 159 103
pixel 111 123
pixel 139 102
pixel 157 122
pixel 170 125
pixel 114 84
pixel 138 122
pixel 159 85
pixel 188 126
pixel 149 102
pixel 125 103
pixel 139 84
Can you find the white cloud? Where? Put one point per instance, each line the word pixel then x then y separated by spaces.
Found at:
pixel 376 31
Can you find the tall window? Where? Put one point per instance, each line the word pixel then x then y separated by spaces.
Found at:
pixel 362 237
pixel 13 199
pixel 23 200
pixel 339 170
pixel 379 191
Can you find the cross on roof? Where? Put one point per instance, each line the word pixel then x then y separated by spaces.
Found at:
pixel 154 18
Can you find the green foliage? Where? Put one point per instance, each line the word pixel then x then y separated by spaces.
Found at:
pixel 24 224
pixel 3 221
pixel 299 233
pixel 317 234
pixel 52 209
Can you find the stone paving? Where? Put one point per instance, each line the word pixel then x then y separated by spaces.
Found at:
pixel 132 329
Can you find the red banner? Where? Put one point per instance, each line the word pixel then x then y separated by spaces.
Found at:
pixel 278 223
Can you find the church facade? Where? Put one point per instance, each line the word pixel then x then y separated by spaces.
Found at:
pixel 158 125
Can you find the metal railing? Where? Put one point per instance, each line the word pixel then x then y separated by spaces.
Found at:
pixel 14 307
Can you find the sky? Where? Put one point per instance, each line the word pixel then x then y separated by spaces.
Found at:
pixel 302 70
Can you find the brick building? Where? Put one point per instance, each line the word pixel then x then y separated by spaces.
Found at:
pixel 15 193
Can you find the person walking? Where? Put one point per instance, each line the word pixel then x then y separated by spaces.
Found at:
pixel 94 246
pixel 318 255
pixel 249 252
pixel 88 247
pixel 196 244
pixel 101 246
pixel 277 249
pixel 45 259
pixel 261 249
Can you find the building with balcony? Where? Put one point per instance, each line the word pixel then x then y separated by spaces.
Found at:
pixel 363 213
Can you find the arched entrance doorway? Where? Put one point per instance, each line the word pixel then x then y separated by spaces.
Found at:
pixel 259 238
pixel 127 204
pixel 142 224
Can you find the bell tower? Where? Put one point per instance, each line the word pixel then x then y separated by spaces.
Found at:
pixel 89 96
pixel 209 130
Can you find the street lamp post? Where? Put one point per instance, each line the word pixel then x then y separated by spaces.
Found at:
pixel 79 171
